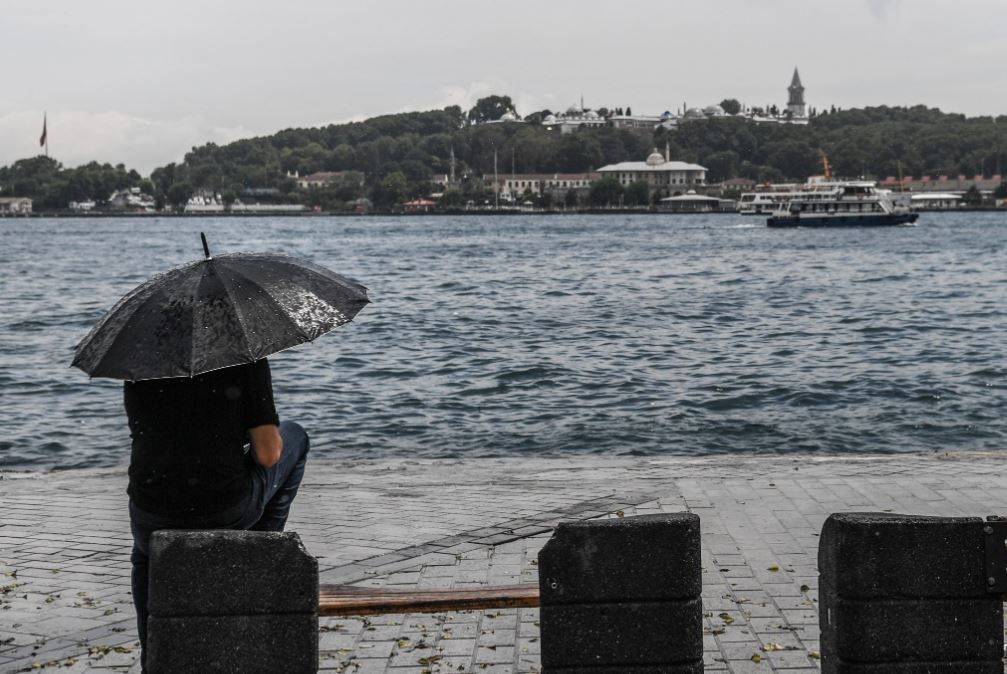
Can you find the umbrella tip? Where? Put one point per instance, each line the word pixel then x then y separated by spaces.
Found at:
pixel 206 248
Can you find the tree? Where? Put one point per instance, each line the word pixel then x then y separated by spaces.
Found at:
pixel 571 199
pixel 490 108
pixel 1001 191
pixel 178 194
pixel 605 192
pixel 393 190
pixel 577 152
pixel 721 166
pixel 545 200
pixel 455 116
pixel 452 198
pixel 228 196
pixel 637 194
pixel 731 106
pixel 972 197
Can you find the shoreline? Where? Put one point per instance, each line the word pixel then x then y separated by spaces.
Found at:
pixel 733 459
pixel 451 213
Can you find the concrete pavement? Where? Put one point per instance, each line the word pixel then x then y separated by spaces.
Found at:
pixel 64 549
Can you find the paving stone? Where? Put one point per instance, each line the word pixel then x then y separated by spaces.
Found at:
pixel 421 520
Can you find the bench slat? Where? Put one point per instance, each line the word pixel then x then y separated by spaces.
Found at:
pixel 346 600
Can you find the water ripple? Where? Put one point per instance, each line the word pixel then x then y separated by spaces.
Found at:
pixel 633 335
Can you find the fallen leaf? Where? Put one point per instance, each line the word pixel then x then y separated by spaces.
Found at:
pixel 773 646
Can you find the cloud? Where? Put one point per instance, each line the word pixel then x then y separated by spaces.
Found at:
pixel 881 8
pixel 80 136
pixel 465 96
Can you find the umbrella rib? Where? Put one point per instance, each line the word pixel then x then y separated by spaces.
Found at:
pixel 276 304
pixel 237 315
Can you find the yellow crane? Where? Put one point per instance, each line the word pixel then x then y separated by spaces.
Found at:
pixel 825 165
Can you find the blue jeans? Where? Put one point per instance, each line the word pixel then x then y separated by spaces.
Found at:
pixel 264 509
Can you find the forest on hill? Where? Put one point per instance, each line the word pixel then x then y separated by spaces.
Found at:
pixel 391 158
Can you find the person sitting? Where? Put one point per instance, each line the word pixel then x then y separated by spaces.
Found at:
pixel 208 452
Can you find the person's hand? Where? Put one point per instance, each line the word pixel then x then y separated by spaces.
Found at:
pixel 267 445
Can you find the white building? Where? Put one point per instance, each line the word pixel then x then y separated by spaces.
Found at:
pixel 14 205
pixel 317 179
pixel 935 200
pixel 573 119
pixel 130 198
pixel 507 117
pixel 514 187
pixel 648 122
pixel 661 174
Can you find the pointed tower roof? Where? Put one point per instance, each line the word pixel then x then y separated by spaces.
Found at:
pixel 795 82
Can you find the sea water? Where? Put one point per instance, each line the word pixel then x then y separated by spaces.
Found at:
pixel 554 335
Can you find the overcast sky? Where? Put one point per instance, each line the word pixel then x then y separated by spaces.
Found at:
pixel 142 82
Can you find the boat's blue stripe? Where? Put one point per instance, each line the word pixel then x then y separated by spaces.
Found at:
pixel 843 221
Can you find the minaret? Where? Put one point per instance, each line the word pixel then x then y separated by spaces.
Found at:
pixel 795 102
pixel 451 179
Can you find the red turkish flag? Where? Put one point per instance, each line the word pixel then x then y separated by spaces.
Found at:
pixel 41 140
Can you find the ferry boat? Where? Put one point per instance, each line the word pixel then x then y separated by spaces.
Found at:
pixel 842 204
pixel 762 203
pixel 770 200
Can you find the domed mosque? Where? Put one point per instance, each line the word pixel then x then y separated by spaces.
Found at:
pixel 655 158
pixel 575 117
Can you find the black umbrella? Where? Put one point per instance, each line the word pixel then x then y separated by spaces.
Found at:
pixel 217 312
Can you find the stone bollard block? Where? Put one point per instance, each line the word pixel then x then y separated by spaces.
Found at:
pixel 623 595
pixel 907 594
pixel 232 601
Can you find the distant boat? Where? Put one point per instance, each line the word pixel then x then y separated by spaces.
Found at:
pixel 842 204
pixel 763 203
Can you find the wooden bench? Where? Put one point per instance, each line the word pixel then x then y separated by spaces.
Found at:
pixel 347 600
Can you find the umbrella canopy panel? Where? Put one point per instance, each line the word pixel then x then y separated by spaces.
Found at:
pixel 216 313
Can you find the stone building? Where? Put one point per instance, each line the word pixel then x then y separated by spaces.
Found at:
pixel 514 187
pixel 795 100
pixel 663 176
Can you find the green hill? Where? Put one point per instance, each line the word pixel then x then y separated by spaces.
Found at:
pixel 391 158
